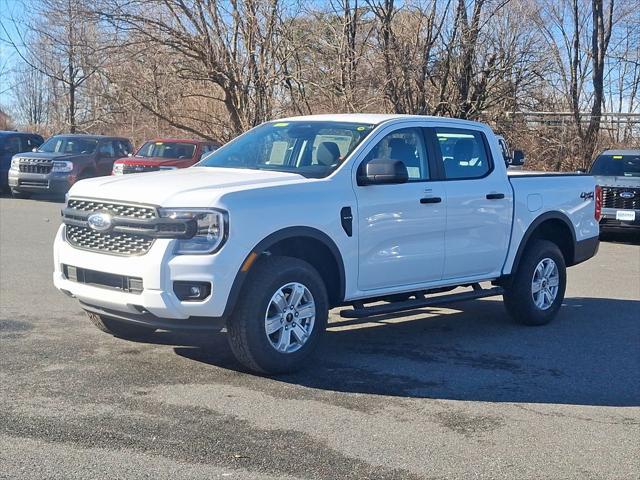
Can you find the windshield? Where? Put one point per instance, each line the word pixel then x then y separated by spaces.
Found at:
pixel 69 145
pixel 312 149
pixel 617 166
pixel 166 150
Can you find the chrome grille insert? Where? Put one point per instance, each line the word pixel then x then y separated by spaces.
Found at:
pixel 113 243
pixel 116 209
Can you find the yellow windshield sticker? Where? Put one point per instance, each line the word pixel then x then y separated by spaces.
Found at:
pixel 281 124
pixel 360 129
pixel 158 143
pixel 618 157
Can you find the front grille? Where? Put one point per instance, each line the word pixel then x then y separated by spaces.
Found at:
pixel 114 243
pixel 126 169
pixel 103 279
pixel 116 209
pixel 35 165
pixel 611 198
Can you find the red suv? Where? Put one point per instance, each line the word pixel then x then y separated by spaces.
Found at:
pixel 164 154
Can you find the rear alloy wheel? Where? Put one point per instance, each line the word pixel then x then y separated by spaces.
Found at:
pixel 280 316
pixel 537 288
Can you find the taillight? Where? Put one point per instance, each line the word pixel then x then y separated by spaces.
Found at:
pixel 598 210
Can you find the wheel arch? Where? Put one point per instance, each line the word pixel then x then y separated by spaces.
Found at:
pixel 555 227
pixel 306 243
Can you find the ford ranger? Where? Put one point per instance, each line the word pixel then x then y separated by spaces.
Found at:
pixel 376 214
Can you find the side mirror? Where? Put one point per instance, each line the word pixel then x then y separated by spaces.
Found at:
pixel 581 170
pixel 129 154
pixel 383 172
pixel 517 160
pixel 34 149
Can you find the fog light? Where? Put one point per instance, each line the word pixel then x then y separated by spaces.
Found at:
pixel 192 291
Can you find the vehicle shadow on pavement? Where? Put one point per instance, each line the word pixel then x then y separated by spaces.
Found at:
pixel 625 238
pixel 588 356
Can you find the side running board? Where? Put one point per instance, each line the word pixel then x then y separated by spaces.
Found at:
pixel 360 311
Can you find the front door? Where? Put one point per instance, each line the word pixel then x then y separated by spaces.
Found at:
pixel 401 227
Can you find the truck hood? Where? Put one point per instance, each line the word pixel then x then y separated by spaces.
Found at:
pixel 189 187
pixel 51 156
pixel 605 181
pixel 154 161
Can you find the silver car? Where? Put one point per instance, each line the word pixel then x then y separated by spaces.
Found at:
pixel 618 173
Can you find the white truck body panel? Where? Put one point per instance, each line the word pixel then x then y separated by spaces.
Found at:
pixel 398 244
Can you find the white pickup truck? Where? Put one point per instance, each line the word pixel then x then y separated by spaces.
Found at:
pixel 373 213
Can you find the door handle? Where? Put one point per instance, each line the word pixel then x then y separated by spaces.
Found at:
pixel 430 200
pixel 495 196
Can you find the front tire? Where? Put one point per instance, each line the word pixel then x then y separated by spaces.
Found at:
pixel 280 316
pixel 118 328
pixel 537 289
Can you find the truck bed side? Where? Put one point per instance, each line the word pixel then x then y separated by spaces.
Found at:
pixel 547 196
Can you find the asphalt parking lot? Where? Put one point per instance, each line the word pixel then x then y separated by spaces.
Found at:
pixel 446 393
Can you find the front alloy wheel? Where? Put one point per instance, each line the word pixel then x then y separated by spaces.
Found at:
pixel 280 315
pixel 290 317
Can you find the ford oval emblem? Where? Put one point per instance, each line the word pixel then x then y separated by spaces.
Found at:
pixel 627 195
pixel 100 222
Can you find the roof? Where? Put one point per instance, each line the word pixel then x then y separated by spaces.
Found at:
pixel 179 140
pixel 370 118
pixel 90 136
pixel 4 133
pixel 629 151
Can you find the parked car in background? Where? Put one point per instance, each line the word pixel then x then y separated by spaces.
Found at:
pixel 617 173
pixel 164 154
pixel 63 160
pixel 12 143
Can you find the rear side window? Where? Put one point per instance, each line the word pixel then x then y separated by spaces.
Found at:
pixel 464 153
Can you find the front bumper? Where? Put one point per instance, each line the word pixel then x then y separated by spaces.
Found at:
pixel 58 183
pixel 610 222
pixel 158 269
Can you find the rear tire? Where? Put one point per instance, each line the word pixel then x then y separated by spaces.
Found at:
pixel 280 316
pixel 536 291
pixel 20 195
pixel 118 328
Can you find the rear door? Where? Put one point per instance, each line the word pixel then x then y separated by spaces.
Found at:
pixel 479 203
pixel 401 226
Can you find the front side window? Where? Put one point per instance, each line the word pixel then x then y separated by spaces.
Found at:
pixel 406 145
pixel 617 166
pixel 167 150
pixel 311 149
pixel 464 154
pixel 69 145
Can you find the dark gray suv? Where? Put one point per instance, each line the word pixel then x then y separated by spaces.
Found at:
pixel 63 160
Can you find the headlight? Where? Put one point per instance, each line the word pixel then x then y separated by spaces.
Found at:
pixel 118 169
pixel 167 168
pixel 62 166
pixel 211 229
pixel 15 163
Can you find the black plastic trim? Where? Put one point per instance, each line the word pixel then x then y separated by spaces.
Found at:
pixel 585 249
pixel 532 228
pixel 149 320
pixel 266 243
